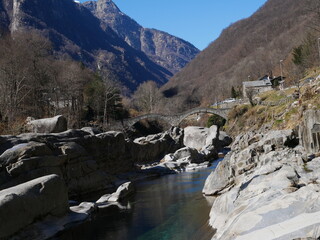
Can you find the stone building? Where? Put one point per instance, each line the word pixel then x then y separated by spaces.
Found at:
pixel 266 83
pixel 256 87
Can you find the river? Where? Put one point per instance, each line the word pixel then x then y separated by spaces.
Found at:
pixel 166 208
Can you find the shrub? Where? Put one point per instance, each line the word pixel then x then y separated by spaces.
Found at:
pixel 307 95
pixel 216 120
pixel 238 111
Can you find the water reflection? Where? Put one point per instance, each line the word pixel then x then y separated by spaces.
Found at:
pixel 167 208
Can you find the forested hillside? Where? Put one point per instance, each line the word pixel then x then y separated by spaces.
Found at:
pixel 76 33
pixel 247 49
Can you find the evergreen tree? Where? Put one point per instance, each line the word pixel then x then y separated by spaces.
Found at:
pixel 234 93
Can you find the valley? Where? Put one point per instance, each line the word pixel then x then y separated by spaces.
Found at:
pixel 113 130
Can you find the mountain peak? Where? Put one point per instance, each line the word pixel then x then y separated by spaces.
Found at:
pixel 102 7
pixel 164 49
pixel 76 32
pixel 107 6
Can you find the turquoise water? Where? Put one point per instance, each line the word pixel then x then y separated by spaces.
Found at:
pixel 167 208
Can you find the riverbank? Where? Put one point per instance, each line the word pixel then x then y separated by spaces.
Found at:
pixel 85 162
pixel 167 207
pixel 266 188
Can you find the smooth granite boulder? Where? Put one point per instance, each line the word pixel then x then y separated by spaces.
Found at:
pixel 47 125
pixel 25 203
pixel 218 180
pixel 154 147
pixel 200 137
pixel 212 135
pixel 24 150
pixel 187 153
pixel 123 191
pixel 201 147
pixel 184 159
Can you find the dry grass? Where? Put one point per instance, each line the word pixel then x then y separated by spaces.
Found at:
pixel 238 111
pixel 272 96
pixel 283 116
pixel 14 128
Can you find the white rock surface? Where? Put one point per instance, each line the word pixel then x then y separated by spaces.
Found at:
pixel 265 191
pixel 55 124
pixel 122 192
pixel 199 137
pixel 84 207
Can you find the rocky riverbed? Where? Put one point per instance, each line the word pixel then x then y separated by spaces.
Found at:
pixel 59 167
pixel 266 188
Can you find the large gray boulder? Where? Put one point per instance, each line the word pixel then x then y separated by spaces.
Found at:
pixel 23 204
pixel 153 148
pixel 47 125
pixel 218 180
pixel 184 159
pixel 24 150
pixel 187 153
pixel 200 137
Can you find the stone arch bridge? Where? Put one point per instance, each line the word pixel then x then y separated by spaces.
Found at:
pixel 175 120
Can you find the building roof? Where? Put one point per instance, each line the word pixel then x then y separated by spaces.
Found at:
pixel 265 77
pixel 259 83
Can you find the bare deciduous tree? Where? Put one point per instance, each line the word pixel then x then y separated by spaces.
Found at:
pixel 148 97
pixel 22 71
pixel 111 96
pixel 35 83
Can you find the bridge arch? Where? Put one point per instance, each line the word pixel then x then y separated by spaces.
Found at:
pixel 175 120
pixel 220 112
pixel 155 116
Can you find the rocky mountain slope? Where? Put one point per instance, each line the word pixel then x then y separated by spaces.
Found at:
pixel 250 47
pixel 75 32
pixel 164 49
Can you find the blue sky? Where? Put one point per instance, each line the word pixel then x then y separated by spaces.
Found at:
pixel 199 22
